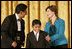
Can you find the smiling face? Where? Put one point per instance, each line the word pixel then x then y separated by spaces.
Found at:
pixel 36 28
pixel 50 13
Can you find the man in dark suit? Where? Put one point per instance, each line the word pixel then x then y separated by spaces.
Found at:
pixel 36 38
pixel 12 28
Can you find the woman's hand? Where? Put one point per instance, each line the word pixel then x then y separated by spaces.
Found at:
pixel 47 38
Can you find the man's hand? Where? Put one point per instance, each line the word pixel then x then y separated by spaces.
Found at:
pixel 14 44
pixel 48 38
pixel 22 46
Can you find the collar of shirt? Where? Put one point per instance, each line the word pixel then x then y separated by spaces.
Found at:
pixel 17 17
pixel 18 22
pixel 36 33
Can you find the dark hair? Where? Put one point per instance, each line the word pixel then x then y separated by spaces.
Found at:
pixel 54 9
pixel 20 7
pixel 34 22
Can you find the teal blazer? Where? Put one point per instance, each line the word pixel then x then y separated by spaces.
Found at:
pixel 56 34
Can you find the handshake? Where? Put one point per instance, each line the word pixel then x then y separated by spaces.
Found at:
pixel 48 38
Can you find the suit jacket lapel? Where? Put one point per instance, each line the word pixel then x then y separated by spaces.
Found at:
pixel 22 25
pixel 33 36
pixel 39 36
pixel 14 22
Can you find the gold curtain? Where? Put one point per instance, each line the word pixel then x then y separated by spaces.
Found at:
pixel 36 10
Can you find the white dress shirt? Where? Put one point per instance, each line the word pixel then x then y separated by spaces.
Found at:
pixel 18 22
pixel 36 35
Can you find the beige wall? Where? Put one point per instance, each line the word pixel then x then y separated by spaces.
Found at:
pixel 36 10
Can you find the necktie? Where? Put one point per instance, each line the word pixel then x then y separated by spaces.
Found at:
pixel 19 19
pixel 36 36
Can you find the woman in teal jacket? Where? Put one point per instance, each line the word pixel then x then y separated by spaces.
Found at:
pixel 55 28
